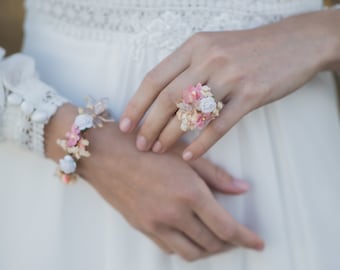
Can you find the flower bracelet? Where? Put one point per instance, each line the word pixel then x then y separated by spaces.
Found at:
pixel 75 145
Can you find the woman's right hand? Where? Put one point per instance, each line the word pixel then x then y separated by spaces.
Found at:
pixel 160 195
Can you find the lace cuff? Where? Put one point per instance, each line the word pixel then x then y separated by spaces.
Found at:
pixel 26 103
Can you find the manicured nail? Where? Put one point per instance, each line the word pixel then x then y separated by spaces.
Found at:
pixel 187 155
pixel 157 147
pixel 241 184
pixel 125 125
pixel 141 143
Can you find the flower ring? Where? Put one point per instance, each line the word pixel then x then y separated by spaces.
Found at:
pixel 197 108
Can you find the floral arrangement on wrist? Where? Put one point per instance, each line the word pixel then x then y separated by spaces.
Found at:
pixel 75 145
pixel 197 108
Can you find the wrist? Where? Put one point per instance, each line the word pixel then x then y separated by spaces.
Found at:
pixel 71 134
pixel 56 128
pixel 321 33
pixel 332 22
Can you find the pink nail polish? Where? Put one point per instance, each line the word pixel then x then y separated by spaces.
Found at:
pixel 125 125
pixel 241 184
pixel 157 147
pixel 141 143
pixel 187 155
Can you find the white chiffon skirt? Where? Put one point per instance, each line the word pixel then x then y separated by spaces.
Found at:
pixel 289 151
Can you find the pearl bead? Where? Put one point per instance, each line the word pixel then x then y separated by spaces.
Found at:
pixel 39 117
pixel 27 107
pixel 14 99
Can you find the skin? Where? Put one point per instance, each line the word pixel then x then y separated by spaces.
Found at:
pixel 174 208
pixel 245 69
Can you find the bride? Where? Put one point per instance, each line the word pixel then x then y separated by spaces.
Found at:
pixel 275 144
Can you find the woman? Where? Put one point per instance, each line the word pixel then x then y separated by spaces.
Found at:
pixel 106 48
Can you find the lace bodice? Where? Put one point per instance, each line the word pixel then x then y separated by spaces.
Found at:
pixel 163 24
pixel 98 18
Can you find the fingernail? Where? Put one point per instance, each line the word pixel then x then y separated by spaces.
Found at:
pixel 187 155
pixel 157 147
pixel 260 246
pixel 141 143
pixel 241 184
pixel 125 125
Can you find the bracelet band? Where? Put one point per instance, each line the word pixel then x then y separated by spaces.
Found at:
pixel 75 145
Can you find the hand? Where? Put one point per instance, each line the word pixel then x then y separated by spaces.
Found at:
pixel 245 69
pixel 161 196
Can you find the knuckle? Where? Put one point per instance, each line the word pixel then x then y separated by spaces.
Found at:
pixel 198 39
pixel 215 246
pixel 152 78
pixel 172 216
pixel 217 57
pixel 219 127
pixel 191 256
pixel 167 97
pixel 247 95
pixel 228 233
pixel 201 146
pixel 148 128
pixel 168 251
pixel 252 94
pixel 190 196
pixel 198 232
pixel 220 175
pixel 133 108
pixel 149 226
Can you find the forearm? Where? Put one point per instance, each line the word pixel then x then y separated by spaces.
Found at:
pixel 58 125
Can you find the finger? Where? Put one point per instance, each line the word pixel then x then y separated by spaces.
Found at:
pixel 181 244
pixel 226 248
pixel 231 113
pixel 169 135
pixel 201 234
pixel 223 225
pixel 164 107
pixel 160 244
pixel 172 131
pixel 218 178
pixel 153 83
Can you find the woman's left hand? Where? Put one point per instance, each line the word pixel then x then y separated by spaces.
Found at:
pixel 245 70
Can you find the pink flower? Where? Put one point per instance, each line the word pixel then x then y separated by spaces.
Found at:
pixel 203 119
pixel 73 136
pixel 192 94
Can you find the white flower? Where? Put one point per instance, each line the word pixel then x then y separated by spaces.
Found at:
pixel 207 105
pixel 67 165
pixel 84 121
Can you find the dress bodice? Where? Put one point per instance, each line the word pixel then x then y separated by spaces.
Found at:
pixel 165 23
pixel 136 15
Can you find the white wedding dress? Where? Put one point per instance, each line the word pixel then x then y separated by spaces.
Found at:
pixel 289 150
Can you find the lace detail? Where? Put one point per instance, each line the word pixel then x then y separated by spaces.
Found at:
pixel 161 24
pixel 102 18
pixel 26 103
pixel 170 29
